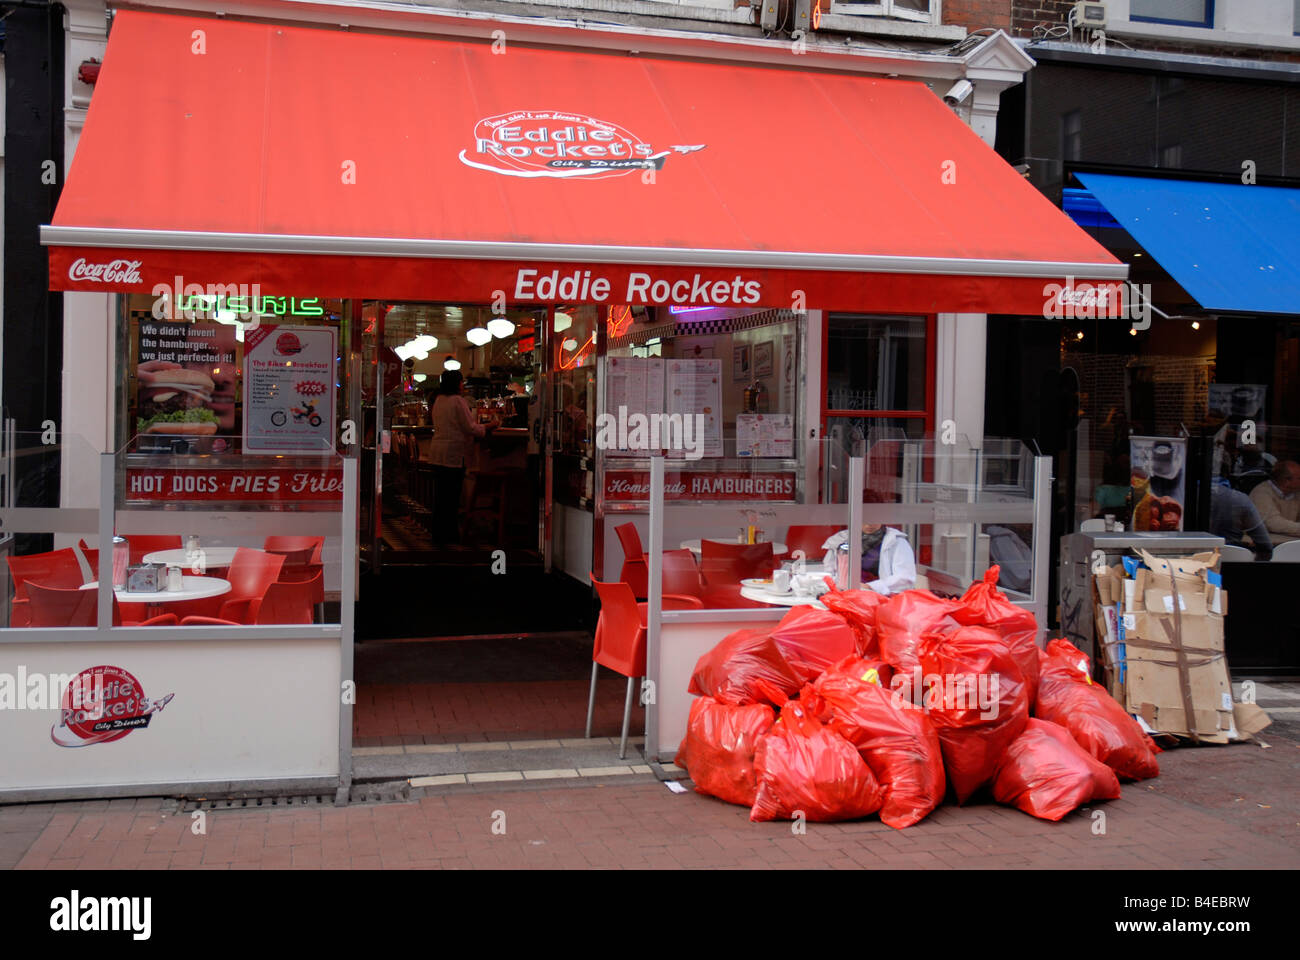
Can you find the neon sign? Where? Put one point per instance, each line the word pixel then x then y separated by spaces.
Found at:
pixel 245 306
pixel 575 359
pixel 619 320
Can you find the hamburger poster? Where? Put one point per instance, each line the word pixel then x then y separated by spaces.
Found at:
pixel 187 381
pixel 289 378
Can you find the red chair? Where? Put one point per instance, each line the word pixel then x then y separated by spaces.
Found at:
pixel 251 573
pixel 286 546
pixel 635 572
pixel 290 602
pixel 58 568
pixel 809 539
pixel 620 642
pixel 138 545
pixel 724 565
pixel 74 607
pixel 681 574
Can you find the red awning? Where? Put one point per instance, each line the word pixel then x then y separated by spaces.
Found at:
pixel 319 162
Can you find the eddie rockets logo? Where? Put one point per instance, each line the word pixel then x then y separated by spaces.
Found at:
pixel 550 143
pixel 101 705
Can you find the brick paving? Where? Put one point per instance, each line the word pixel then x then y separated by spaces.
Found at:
pixel 1226 807
pixel 412 713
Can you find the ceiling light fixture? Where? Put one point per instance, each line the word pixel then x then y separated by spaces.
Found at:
pixel 562 322
pixel 478 336
pixel 451 363
pixel 500 327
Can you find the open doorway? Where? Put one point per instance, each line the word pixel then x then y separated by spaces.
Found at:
pixel 473 636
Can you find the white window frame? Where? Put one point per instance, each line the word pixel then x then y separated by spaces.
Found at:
pixel 888 8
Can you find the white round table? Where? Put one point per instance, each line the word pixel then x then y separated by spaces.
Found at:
pixel 780 599
pixel 695 547
pixel 192 588
pixel 180 557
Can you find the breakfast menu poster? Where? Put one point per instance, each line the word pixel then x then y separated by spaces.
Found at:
pixel 289 389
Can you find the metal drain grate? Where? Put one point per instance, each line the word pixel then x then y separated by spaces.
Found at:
pixel 189 804
pixel 392 791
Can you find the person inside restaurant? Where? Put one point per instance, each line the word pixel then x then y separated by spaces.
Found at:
pixel 1234 516
pixel 454 432
pixel 1278 501
pixel 888 565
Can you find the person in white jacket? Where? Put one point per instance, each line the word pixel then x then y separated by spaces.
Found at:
pixel 888 565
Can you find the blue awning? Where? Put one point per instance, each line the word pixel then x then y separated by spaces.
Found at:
pixel 1231 246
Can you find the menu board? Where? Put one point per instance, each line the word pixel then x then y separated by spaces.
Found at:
pixel 764 435
pixel 634 387
pixel 695 387
pixel 289 389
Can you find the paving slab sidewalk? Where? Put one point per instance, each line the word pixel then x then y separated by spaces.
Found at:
pixel 1215 807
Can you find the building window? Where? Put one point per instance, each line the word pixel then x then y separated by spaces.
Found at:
pixel 925 11
pixel 1184 13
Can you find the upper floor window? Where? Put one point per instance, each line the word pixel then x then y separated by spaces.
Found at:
pixel 1184 13
pixel 925 11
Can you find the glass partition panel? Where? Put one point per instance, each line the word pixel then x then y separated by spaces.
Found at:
pixel 49 504
pixel 963 508
pixel 752 537
pixel 235 540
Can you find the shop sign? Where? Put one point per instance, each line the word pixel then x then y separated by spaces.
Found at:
pixel 556 144
pixel 623 485
pixel 233 485
pixel 103 704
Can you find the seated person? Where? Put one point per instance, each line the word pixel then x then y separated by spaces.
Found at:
pixel 888 565
pixel 1278 502
pixel 1234 517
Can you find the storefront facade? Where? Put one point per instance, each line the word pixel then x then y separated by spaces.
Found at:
pixel 671 287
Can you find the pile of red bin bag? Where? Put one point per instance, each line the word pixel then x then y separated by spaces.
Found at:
pixel 885 705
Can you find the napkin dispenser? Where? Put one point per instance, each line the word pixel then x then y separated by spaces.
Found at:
pixel 146 578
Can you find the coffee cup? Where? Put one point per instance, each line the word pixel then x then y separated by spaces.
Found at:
pixel 781 581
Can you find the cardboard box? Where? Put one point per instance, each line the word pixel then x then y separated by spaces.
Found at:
pixel 1174 661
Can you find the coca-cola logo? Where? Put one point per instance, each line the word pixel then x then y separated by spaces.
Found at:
pixel 553 143
pixel 115 271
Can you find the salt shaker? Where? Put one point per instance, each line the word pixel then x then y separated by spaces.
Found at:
pixel 174 581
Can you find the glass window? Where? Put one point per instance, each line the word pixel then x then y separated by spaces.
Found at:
pixel 875 363
pixel 184 389
pixel 1192 13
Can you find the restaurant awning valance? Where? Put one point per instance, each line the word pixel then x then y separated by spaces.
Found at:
pixel 1234 247
pixel 329 163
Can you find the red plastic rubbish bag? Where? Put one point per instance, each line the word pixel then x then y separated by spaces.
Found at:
pixel 976 699
pixel 1046 774
pixel 745 667
pixel 1067 695
pixel 894 737
pixel 812 640
pixel 859 609
pixel 804 767
pixel 985 605
pixel 900 623
pixel 865 669
pixel 718 748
